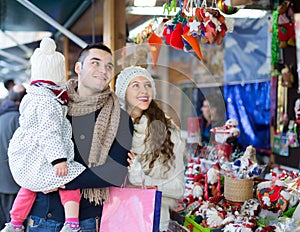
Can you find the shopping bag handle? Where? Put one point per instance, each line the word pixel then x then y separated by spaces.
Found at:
pixel 127 184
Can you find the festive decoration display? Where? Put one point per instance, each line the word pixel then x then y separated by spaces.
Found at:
pixel 226 188
pixel 190 27
pixel 271 203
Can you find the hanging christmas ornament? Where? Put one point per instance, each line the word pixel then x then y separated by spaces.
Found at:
pixel 176 39
pixel 154 42
pixel 194 27
pixel 167 32
pixel 194 43
pixel 226 9
pixel 187 47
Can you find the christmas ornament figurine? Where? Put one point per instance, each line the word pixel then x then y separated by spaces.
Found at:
pixel 227 132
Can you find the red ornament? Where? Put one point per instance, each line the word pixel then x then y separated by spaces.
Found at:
pixel 176 39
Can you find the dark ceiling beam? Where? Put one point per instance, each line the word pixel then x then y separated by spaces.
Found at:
pixel 73 18
pixel 138 21
pixel 25 49
pixel 52 22
pixel 14 57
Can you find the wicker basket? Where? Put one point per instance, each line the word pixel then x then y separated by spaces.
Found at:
pixel 238 190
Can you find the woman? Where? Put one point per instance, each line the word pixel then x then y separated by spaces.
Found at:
pixel 213 115
pixel 157 145
pixel 206 122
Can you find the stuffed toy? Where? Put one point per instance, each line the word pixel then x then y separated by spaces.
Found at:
pixel 227 132
pixel 245 167
pixel 268 193
pixel 286 30
pixel 287 78
pixel 195 194
pixel 250 207
pixel 214 180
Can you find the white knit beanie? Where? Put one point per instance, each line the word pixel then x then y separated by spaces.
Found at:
pixel 125 77
pixel 47 64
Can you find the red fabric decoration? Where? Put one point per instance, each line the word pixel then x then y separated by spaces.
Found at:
pixel 167 34
pixel 155 43
pixel 176 39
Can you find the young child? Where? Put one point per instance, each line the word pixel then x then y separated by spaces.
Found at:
pixel 41 151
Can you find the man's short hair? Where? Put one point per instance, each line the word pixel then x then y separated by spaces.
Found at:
pixel 84 52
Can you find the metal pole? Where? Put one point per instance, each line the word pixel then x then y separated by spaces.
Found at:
pixel 52 22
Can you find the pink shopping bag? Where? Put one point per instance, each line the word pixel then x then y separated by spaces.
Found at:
pixel 131 209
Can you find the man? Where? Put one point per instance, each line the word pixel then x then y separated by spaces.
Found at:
pixel 102 135
pixel 9 122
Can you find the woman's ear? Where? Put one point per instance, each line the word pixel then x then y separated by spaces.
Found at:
pixel 77 67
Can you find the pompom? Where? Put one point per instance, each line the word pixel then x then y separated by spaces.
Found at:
pixel 47 46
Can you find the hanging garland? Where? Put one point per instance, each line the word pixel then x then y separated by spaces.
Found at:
pixel 275 41
pixel 191 26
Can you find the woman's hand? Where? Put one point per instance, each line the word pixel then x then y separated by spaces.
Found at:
pixel 131 159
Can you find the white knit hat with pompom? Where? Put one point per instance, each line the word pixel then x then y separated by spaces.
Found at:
pixel 48 64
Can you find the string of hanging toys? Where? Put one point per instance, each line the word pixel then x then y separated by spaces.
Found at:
pixel 195 23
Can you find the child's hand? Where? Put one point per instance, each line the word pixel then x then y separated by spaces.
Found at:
pixel 61 169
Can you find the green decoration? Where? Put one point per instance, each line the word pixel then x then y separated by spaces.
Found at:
pixel 173 5
pixel 168 7
pixel 275 41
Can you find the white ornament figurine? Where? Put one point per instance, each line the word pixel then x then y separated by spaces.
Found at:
pixel 226 132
